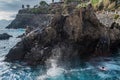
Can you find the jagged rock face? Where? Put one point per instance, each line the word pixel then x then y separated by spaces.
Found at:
pixel 75 36
pixel 73 26
pixel 4 36
pixel 33 20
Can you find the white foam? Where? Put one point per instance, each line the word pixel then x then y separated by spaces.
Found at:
pixel 103 75
pixel 110 66
pixel 53 71
pixel 42 77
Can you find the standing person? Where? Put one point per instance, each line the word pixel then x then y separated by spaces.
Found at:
pixel 23 6
pixel 52 1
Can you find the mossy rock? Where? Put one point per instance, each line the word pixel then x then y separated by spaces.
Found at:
pixel 116 16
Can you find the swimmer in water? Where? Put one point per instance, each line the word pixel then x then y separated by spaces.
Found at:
pixel 102 68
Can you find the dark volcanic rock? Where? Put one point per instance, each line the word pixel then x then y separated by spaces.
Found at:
pixel 32 20
pixel 115 25
pixel 4 36
pixel 18 52
pixel 75 36
pixel 20 36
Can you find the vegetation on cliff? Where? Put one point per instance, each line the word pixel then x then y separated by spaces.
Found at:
pixel 28 16
pixel 105 4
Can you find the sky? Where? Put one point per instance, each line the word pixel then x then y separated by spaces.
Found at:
pixel 9 8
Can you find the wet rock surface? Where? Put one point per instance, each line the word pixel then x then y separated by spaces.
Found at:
pixel 20 36
pixel 4 36
pixel 78 35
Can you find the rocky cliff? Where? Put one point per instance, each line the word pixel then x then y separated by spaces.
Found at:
pixel 77 35
pixel 27 19
pixel 35 17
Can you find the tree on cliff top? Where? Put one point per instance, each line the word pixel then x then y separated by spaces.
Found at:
pixel 43 3
pixel 52 1
pixel 28 6
pixel 23 6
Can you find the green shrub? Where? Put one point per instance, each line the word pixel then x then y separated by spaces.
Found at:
pixel 43 3
pixel 81 5
pixel 68 1
pixel 35 10
pixel 94 1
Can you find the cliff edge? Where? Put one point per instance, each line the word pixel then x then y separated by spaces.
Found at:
pixel 35 17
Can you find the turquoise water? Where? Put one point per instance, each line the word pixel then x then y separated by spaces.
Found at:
pixel 86 71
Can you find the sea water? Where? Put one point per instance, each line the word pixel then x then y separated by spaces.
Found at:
pixel 20 71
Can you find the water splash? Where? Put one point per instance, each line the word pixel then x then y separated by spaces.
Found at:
pixel 53 70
